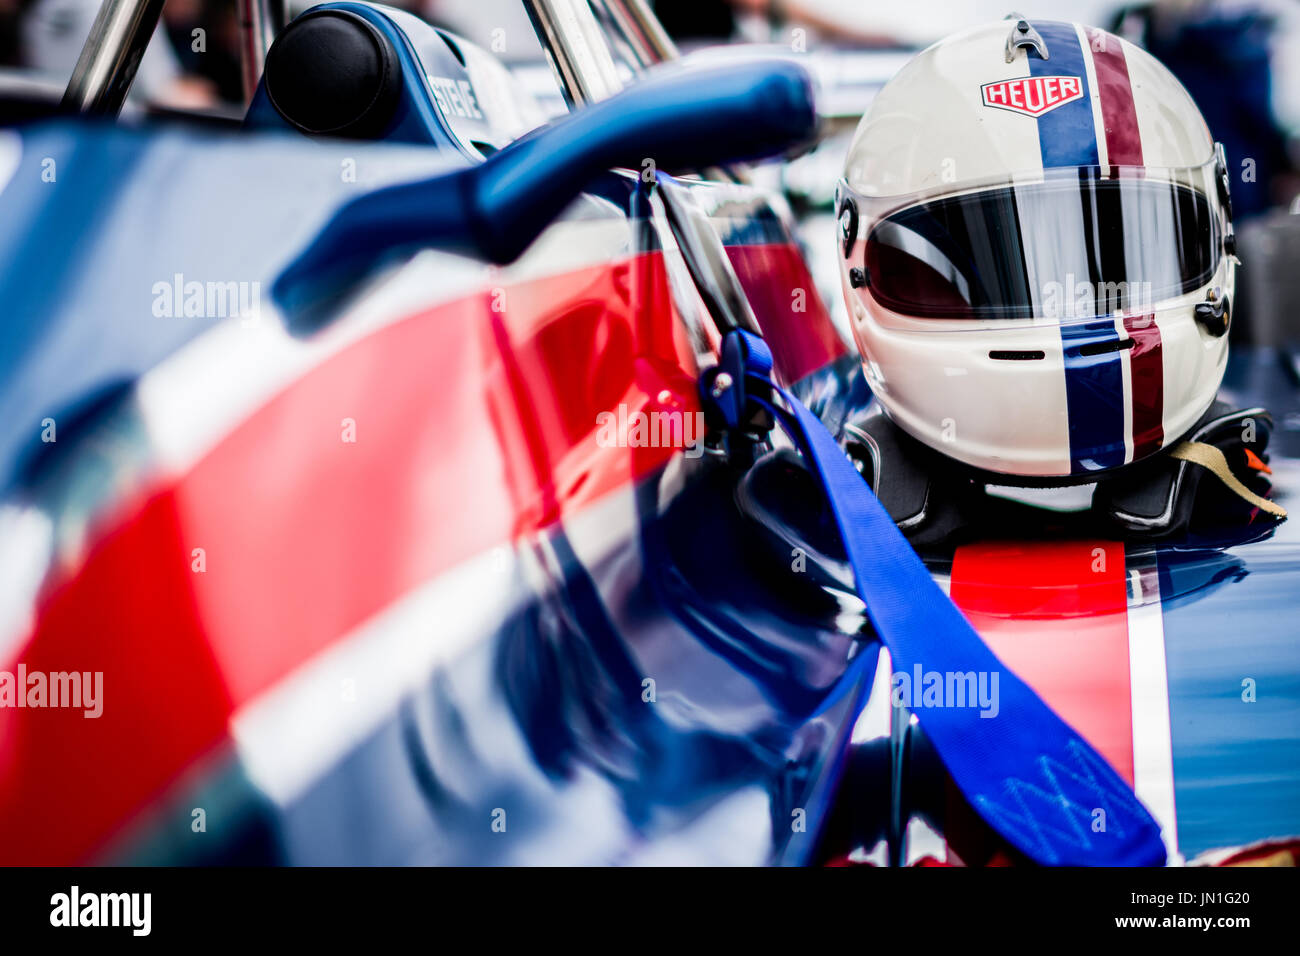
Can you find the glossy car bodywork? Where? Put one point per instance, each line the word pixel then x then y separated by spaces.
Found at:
pixel 476 470
pixel 383 591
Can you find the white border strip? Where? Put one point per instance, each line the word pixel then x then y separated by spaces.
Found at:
pixel 1098 123
pixel 290 735
pixel 1126 376
pixel 1153 753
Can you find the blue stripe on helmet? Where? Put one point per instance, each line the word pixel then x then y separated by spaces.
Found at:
pixel 1094 396
pixel 1094 384
pixel 1067 135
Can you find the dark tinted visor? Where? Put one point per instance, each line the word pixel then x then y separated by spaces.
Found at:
pixel 1062 249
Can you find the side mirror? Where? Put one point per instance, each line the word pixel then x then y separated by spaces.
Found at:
pixel 680 118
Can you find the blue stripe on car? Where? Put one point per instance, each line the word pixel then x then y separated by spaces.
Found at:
pixel 1234 690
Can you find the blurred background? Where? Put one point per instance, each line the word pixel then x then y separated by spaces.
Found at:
pixel 1240 59
pixel 1227 52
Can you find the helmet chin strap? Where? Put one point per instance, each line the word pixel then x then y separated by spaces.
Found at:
pixel 936 503
pixel 1213 460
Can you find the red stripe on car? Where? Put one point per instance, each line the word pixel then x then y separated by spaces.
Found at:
pixel 1056 613
pixel 473 427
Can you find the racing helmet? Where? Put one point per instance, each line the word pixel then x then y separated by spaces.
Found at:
pixel 1036 251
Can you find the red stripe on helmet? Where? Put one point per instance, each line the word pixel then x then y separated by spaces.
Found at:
pixel 1146 364
pixel 1118 109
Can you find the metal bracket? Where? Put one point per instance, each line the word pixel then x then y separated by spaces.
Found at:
pixel 1024 36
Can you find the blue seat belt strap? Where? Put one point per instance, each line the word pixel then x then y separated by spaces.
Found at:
pixel 1027 773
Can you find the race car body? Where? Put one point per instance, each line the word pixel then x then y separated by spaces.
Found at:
pixel 358 505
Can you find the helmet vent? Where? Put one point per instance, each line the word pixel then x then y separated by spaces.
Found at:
pixel 1024 355
pixel 1101 348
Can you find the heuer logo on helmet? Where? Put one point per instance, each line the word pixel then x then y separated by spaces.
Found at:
pixel 1034 95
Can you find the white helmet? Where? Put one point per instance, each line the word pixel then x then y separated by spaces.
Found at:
pixel 1037 251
